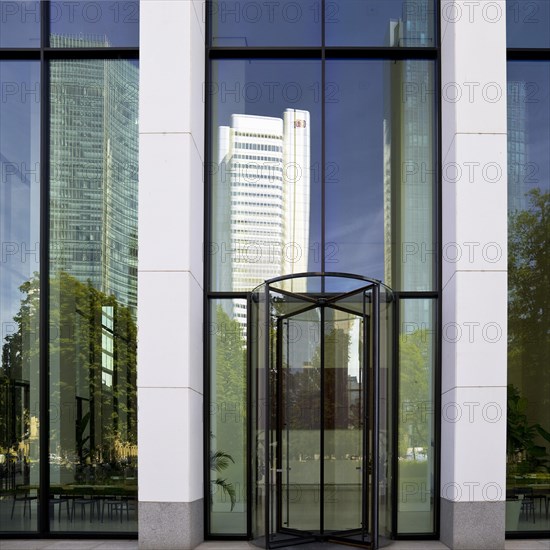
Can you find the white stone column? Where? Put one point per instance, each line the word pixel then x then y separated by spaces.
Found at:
pixel 170 304
pixel 474 256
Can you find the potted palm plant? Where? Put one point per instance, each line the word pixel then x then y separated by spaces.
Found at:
pixel 220 461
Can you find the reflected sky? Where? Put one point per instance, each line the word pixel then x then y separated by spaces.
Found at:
pixel 528 23
pixel 19 183
pixel 355 144
pixel 257 23
pixel 19 24
pixel 360 150
pixel 115 22
pixel 376 23
pixel 298 23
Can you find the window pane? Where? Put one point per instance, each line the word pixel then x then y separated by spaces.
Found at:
pixel 528 420
pixel 415 487
pixel 228 412
pixel 394 23
pixel 527 23
pixel 265 171
pixel 83 24
pixel 19 24
pixel 93 295
pixel 19 295
pixel 381 166
pixel 252 23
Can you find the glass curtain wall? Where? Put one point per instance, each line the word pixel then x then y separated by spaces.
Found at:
pixel 528 424
pixel 69 157
pixel 19 295
pixel 323 157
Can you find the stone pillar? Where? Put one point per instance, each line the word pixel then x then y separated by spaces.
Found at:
pixel 170 305
pixel 474 256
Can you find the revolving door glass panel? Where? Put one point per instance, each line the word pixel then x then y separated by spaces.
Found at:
pixel 314 375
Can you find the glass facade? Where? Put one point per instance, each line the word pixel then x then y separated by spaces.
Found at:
pixel 528 428
pixel 93 284
pixel 106 24
pixel 19 295
pixel 20 24
pixel 380 176
pixel 321 159
pixel 399 23
pixel 528 417
pixel 69 157
pixel 416 435
pixel 527 23
pixel 228 417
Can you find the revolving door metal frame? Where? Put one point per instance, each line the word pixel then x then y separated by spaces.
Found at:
pixel 367 535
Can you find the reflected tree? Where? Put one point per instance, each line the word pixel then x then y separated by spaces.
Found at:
pixel 93 400
pixel 18 416
pixel 529 307
pixel 415 396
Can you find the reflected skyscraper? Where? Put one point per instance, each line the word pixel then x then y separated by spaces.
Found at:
pixel 93 259
pixel 93 166
pixel 409 240
pixel 408 158
pixel 263 200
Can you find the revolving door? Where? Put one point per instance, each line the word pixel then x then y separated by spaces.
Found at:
pixel 320 359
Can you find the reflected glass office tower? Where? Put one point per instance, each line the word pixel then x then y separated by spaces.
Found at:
pixel 408 161
pixel 93 270
pixel 94 159
pixel 518 166
pixel 409 247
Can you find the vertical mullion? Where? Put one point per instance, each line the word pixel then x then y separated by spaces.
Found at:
pixel 322 425
pixel 376 412
pixel 250 413
pixel 44 332
pixel 267 437
pixel 365 421
pixel 323 143
pixel 394 376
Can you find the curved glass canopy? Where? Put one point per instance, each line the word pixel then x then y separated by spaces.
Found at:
pixel 321 410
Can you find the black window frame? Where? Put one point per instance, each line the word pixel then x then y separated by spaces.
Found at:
pixel 516 54
pixel 324 53
pixel 45 54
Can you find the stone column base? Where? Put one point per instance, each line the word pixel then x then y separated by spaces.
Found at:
pixel 171 525
pixel 473 525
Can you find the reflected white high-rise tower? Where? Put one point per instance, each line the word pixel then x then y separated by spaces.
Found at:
pixel 262 200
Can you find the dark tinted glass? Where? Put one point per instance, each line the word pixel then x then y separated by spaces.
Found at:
pixel 396 23
pixel 19 24
pixel 528 23
pixel 380 171
pixel 265 171
pixel 259 23
pixel 528 420
pixel 94 24
pixel 93 295
pixel 19 294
